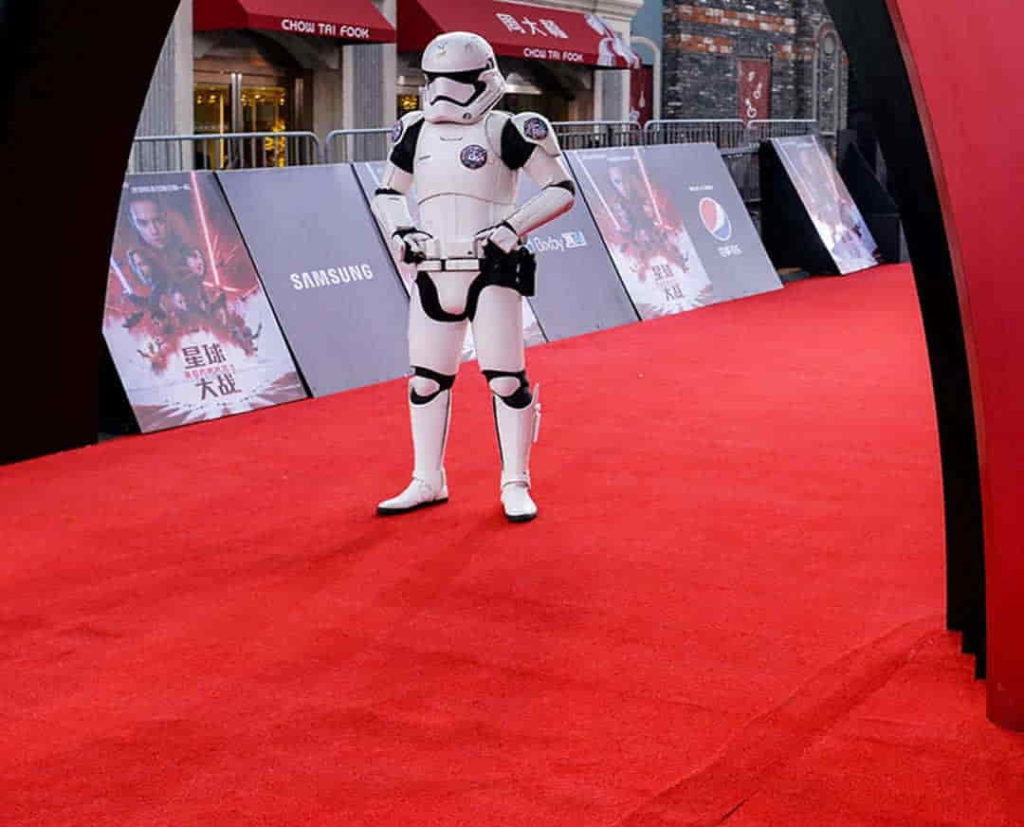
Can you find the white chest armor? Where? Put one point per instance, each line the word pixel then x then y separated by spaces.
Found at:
pixel 462 186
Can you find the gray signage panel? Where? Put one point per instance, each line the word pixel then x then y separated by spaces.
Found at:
pixel 675 226
pixel 328 275
pixel 577 287
pixel 703 191
pixel 578 290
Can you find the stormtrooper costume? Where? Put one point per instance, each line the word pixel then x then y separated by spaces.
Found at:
pixel 464 160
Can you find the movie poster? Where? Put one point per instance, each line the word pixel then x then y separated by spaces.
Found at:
pixel 644 231
pixel 828 203
pixel 189 328
pixel 703 194
pixel 369 173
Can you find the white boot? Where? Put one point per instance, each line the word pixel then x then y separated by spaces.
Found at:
pixel 517 502
pixel 517 430
pixel 429 435
pixel 418 494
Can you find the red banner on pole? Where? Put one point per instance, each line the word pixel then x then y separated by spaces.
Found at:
pixel 755 89
pixel 641 94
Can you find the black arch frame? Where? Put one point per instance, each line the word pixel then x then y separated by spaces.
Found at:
pixel 869 37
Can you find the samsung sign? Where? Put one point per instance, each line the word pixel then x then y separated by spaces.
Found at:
pixel 327 276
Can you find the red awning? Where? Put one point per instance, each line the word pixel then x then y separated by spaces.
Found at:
pixel 344 19
pixel 516 30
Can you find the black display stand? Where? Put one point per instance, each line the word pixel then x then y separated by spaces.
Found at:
pixel 789 235
pixel 876 205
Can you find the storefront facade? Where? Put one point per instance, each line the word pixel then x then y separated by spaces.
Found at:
pixel 277 65
pixel 560 60
pixel 319 65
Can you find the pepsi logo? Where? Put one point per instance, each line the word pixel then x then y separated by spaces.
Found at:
pixel 715 218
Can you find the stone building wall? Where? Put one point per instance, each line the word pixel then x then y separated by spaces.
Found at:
pixel 704 40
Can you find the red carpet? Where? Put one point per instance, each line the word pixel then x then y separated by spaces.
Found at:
pixel 729 611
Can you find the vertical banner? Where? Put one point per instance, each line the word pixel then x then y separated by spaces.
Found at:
pixel 187 323
pixel 651 246
pixel 754 78
pixel 326 271
pixel 641 94
pixel 700 191
pixel 368 173
pixel 829 205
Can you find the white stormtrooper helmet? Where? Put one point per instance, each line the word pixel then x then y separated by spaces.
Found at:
pixel 463 80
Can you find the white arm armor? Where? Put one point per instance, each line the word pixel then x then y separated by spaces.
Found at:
pixel 546 167
pixel 389 204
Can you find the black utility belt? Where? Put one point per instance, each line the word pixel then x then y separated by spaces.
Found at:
pixel 517 269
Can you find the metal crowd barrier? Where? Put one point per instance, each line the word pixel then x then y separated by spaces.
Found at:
pixel 244 150
pixel 593 134
pixel 346 145
pixel 233 150
pixel 744 166
pixel 724 133
pixel 762 130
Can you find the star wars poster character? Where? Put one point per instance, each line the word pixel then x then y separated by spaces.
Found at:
pixel 189 328
pixel 646 236
pixel 828 202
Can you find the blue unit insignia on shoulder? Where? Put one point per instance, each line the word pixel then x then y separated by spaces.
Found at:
pixel 535 129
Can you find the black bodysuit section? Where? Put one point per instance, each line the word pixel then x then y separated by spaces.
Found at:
pixel 431 302
pixel 403 153
pixel 515 149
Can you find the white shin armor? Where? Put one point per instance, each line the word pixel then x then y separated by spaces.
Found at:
pixel 516 419
pixel 430 416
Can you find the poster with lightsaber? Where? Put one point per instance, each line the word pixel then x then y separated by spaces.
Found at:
pixel 189 328
pixel 368 173
pixel 644 232
pixel 828 202
pixel 702 194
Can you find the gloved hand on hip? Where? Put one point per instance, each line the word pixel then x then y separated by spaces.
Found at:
pixel 410 245
pixel 501 236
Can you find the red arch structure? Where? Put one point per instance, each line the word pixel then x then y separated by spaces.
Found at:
pixel 64 159
pixel 966 72
pixel 945 94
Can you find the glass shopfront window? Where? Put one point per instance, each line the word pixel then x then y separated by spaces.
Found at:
pixel 244 85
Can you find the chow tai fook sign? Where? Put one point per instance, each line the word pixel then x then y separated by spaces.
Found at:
pixel 325 29
pixel 351 20
pixel 517 30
